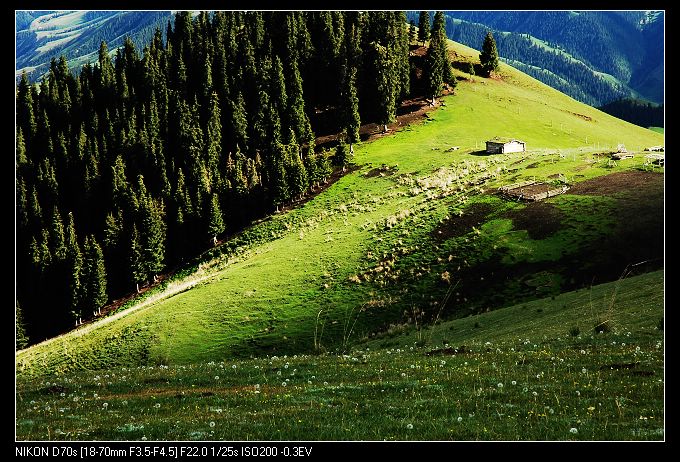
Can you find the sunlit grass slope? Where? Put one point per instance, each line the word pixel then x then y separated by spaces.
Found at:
pixel 534 371
pixel 360 256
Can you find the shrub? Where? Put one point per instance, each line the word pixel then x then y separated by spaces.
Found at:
pixel 659 325
pixel 574 331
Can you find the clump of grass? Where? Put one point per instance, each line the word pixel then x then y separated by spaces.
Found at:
pixel 659 325
pixel 477 325
pixel 603 327
pixel 574 331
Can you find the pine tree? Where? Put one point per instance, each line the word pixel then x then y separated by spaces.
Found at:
pixel 387 84
pixel 488 58
pixel 439 30
pixel 20 149
pixel 423 27
pixel 25 110
pixel 342 155
pixel 412 31
pixel 152 232
pixel 135 264
pixel 215 219
pixel 350 108
pixel 238 123
pixel 21 341
pixel 57 240
pixel 107 76
pixel 74 262
pixel 296 172
pixel 436 60
pixel 297 117
pixel 93 276
pixel 213 140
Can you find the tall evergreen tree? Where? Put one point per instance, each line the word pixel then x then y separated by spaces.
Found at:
pixel 423 27
pixel 387 84
pixel 152 233
pixel 488 58
pixel 136 270
pixel 350 108
pixel 439 30
pixel 213 140
pixel 21 338
pixel 25 111
pixel 93 276
pixel 74 262
pixel 342 155
pixel 215 219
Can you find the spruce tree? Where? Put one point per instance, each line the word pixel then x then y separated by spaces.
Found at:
pixel 350 108
pixel 488 58
pixel 387 84
pixel 136 272
pixel 21 341
pixel 57 240
pixel 152 233
pixel 439 30
pixel 423 27
pixel 25 110
pixel 94 276
pixel 342 155
pixel 411 31
pixel 213 139
pixel 215 219
pixel 74 262
pixel 296 172
pixel 297 117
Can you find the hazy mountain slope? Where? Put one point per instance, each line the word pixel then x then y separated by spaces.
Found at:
pixel 44 35
pixel 625 60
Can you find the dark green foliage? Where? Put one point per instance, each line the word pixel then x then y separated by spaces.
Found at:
pixel 93 277
pixel 437 65
pixel 574 331
pixel 135 266
pixel 152 233
pixel 350 107
pixel 471 69
pixel 636 111
pixel 21 339
pixel 216 222
pixel 383 68
pixel 342 155
pixel 439 30
pixel 628 47
pixel 423 27
pixel 411 31
pixel 148 149
pixel 74 260
pixel 488 58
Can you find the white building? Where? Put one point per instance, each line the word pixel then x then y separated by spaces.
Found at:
pixel 504 145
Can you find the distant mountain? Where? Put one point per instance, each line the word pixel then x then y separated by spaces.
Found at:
pixel 43 35
pixel 636 111
pixel 560 49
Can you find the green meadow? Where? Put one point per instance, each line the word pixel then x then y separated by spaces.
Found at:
pixel 408 300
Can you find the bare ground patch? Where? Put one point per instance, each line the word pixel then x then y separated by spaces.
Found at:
pixel 540 219
pixel 617 182
pixel 456 226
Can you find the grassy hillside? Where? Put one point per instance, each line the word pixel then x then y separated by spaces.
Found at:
pixel 367 253
pixel 535 371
